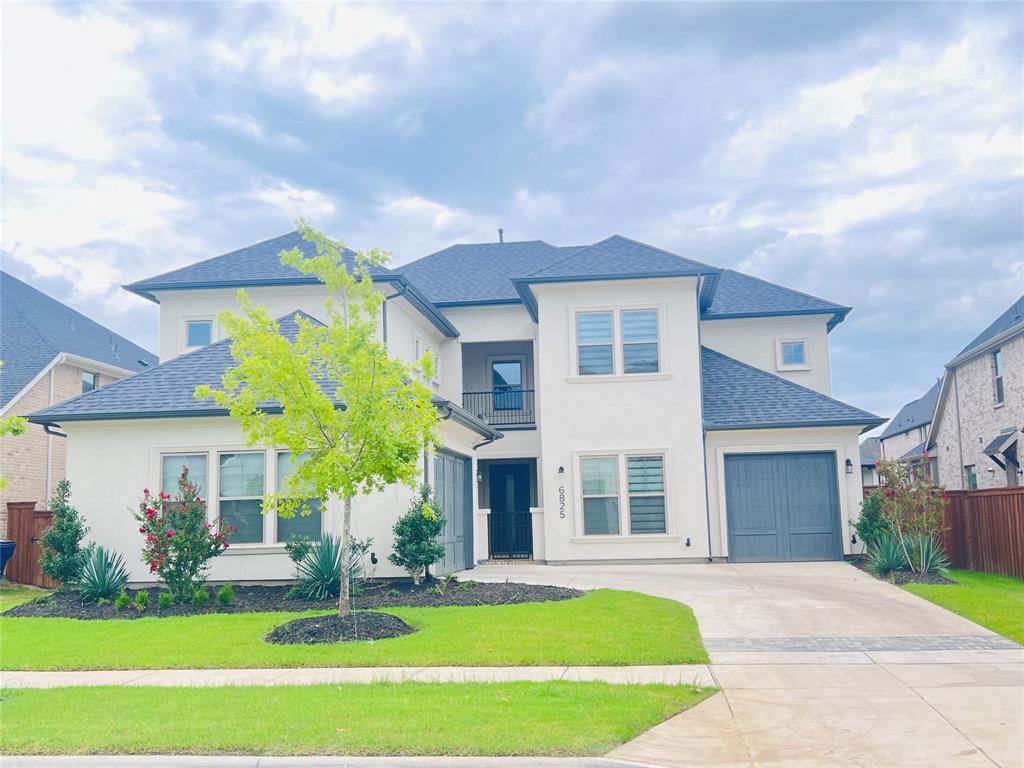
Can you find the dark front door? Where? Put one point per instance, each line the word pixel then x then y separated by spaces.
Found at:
pixel 782 506
pixel 511 527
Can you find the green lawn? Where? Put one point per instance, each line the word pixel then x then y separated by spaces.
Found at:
pixel 555 718
pixel 604 627
pixel 14 594
pixel 996 602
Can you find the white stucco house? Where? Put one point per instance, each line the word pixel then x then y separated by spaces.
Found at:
pixel 603 403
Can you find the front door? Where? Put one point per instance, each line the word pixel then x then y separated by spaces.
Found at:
pixel 511 526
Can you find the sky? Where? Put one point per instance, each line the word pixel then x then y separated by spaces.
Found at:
pixel 870 154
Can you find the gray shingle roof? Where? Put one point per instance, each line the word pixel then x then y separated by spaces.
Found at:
pixel 35 328
pixel 739 295
pixel 258 264
pixel 614 257
pixel 870 452
pixel 168 390
pixel 916 413
pixel 1013 316
pixel 739 396
pixel 914 452
pixel 479 273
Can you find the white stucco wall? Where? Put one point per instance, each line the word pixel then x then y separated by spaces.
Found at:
pixel 842 441
pixel 626 413
pixel 754 342
pixel 109 463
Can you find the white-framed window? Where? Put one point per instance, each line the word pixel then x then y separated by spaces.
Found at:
pixel 429 348
pixel 299 524
pixel 171 466
pixel 623 493
pixel 997 371
pixel 198 333
pixel 241 481
pixel 792 355
pixel 617 341
pixel 90 381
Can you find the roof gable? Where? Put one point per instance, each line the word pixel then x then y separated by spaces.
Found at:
pixel 258 264
pixel 614 257
pixel 916 413
pixel 1011 318
pixel 36 328
pixel 739 396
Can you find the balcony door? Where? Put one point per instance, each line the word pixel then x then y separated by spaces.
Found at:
pixel 507 383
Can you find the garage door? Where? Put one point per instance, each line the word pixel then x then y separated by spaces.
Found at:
pixel 782 506
pixel 452 493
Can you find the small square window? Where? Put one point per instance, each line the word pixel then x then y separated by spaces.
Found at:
pixel 89 381
pixel 791 353
pixel 198 333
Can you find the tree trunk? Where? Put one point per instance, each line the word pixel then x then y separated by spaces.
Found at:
pixel 345 595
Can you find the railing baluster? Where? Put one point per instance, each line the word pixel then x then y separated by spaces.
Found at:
pixel 504 407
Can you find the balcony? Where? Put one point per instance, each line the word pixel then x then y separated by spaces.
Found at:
pixel 502 407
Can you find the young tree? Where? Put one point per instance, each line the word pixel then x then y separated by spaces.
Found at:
pixel 63 556
pixel 416 545
pixel 359 418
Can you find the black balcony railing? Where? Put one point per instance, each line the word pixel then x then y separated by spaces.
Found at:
pixel 504 407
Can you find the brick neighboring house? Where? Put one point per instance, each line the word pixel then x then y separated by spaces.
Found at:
pixel 976 434
pixel 904 436
pixel 51 353
pixel 870 453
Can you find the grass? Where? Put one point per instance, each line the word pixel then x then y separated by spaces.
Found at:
pixel 15 594
pixel 994 601
pixel 521 718
pixel 604 627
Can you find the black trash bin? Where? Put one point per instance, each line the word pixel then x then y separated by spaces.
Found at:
pixel 6 550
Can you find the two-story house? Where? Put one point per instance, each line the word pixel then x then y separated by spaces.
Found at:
pixel 976 435
pixel 602 403
pixel 50 353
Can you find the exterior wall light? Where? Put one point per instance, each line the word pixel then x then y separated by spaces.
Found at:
pixel 561 470
pixel 849 467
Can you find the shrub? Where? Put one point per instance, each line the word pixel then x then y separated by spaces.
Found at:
pixel 416 547
pixel 122 602
pixel 103 577
pixel 886 555
pixel 141 600
pixel 912 507
pixel 294 593
pixel 63 558
pixel 927 555
pixel 200 598
pixel 179 541
pixel 298 547
pixel 871 523
pixel 226 595
pixel 165 600
pixel 319 572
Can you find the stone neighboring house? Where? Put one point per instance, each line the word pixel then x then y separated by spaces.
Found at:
pixel 904 437
pixel 50 353
pixel 870 453
pixel 976 432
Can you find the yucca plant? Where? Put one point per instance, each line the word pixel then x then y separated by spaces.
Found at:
pixel 885 555
pixel 319 571
pixel 104 576
pixel 927 554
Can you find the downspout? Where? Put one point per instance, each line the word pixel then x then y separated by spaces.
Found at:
pixel 49 429
pixel 482 443
pixel 959 436
pixel 49 443
pixel 704 432
pixel 384 313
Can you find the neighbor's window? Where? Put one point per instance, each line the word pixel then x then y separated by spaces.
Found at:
pixel 198 333
pixel 639 341
pixel 997 365
pixel 595 343
pixel 171 466
pixel 972 477
pixel 89 381
pixel 241 495
pixel 646 477
pixel 599 477
pixel 300 524
pixel 791 353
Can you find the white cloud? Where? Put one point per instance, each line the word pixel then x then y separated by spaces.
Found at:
pixel 249 127
pixel 293 200
pixel 409 123
pixel 540 205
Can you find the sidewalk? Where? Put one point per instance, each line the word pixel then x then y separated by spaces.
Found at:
pixel 693 674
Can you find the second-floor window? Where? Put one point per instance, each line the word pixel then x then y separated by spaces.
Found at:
pixel 198 333
pixel 617 341
pixel 791 354
pixel 997 368
pixel 89 381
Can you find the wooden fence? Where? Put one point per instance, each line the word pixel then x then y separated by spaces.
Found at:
pixel 25 524
pixel 984 530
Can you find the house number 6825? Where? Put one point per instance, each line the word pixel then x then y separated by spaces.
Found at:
pixel 561 501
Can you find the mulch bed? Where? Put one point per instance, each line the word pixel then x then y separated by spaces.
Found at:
pixel 252 599
pixel 903 577
pixel 361 626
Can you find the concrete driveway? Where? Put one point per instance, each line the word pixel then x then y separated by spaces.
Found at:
pixel 822 665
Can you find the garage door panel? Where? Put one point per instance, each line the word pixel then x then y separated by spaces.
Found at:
pixel 789 500
pixel 451 477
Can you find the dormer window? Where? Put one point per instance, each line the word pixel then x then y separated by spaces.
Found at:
pixel 90 381
pixel 198 333
pixel 791 355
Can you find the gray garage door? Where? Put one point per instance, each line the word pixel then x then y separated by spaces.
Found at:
pixel 782 506
pixel 452 493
